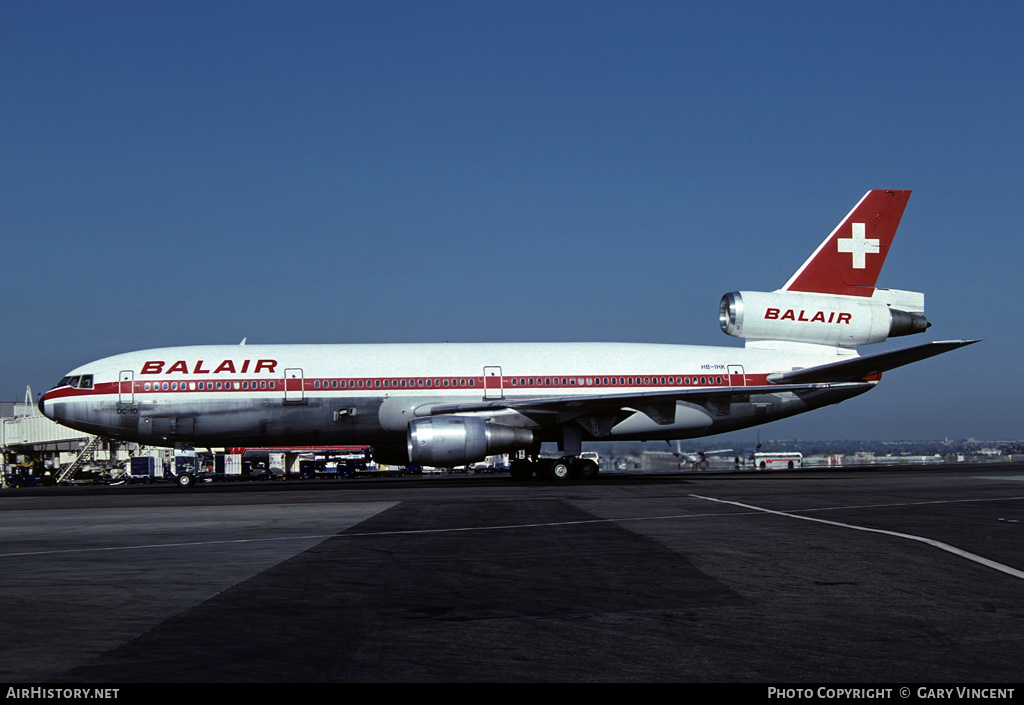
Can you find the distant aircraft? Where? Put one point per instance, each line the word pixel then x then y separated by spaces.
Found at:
pixel 695 459
pixel 447 405
pixel 700 458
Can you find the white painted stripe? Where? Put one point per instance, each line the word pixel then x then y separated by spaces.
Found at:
pixel 911 537
pixel 362 534
pixel 181 544
pixel 578 522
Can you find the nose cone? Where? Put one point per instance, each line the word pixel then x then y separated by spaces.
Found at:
pixel 46 406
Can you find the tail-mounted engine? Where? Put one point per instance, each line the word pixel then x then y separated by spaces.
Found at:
pixel 824 319
pixel 447 441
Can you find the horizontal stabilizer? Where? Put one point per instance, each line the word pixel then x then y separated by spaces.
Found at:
pixel 868 365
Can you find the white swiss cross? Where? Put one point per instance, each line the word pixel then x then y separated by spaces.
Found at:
pixel 858 246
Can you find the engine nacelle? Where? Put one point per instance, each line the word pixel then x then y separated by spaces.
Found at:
pixel 447 441
pixel 823 319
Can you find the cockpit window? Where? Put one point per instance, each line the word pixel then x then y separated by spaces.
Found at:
pixel 78 382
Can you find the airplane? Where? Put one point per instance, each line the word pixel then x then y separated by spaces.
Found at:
pixel 447 405
pixel 700 458
pixel 696 459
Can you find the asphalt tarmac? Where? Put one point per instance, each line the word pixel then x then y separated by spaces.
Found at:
pixel 903 575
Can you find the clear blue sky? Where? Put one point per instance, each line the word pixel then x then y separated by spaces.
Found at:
pixel 197 172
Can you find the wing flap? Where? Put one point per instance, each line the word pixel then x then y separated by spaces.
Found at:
pixel 660 405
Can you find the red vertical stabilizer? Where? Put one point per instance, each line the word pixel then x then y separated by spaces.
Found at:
pixel 849 260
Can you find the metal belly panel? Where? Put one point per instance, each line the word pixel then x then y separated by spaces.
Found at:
pixel 262 422
pixel 102 418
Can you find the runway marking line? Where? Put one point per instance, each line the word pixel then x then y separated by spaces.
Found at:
pixel 911 537
pixel 897 534
pixel 179 544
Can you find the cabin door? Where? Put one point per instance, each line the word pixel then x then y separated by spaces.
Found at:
pixel 492 383
pixel 126 387
pixel 293 384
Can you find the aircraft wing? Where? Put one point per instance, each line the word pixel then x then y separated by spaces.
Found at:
pixel 859 368
pixel 609 409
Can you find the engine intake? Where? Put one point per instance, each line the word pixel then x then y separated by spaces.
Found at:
pixel 447 441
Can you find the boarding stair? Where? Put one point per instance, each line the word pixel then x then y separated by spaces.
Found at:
pixel 84 456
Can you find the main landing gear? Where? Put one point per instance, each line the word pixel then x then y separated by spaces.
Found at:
pixel 568 467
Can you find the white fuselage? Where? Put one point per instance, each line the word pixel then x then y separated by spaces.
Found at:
pixel 223 395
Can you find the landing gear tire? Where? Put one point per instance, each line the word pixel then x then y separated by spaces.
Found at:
pixel 185 480
pixel 542 466
pixel 561 469
pixel 586 469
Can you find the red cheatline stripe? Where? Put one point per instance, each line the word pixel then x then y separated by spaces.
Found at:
pixel 349 384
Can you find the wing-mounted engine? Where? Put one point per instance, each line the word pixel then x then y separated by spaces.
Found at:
pixel 447 441
pixel 823 319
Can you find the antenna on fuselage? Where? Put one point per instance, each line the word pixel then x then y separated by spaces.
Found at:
pixel 243 341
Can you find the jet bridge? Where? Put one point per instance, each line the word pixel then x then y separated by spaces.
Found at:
pixel 26 432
